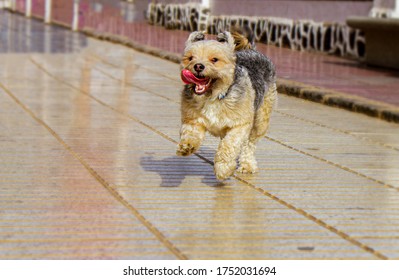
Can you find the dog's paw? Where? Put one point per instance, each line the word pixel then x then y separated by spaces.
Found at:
pixel 224 170
pixel 247 168
pixel 185 149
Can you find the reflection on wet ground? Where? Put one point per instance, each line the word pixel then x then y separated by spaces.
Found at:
pixel 18 35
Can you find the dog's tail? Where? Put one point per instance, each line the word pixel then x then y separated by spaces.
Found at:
pixel 243 38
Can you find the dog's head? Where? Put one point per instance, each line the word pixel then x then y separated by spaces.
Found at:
pixel 208 64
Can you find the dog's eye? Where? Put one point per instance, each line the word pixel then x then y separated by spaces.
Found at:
pixel 214 60
pixel 190 58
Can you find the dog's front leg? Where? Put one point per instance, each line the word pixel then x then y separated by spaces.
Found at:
pixel 229 150
pixel 191 136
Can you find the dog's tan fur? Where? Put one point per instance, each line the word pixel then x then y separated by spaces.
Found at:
pixel 234 118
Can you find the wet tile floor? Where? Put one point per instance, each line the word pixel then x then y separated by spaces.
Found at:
pixel 88 167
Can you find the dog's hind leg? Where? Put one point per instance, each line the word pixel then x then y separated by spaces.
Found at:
pixel 229 150
pixel 247 159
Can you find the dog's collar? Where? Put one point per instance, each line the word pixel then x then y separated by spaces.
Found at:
pixel 222 96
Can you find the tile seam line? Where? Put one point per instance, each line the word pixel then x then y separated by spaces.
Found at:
pixel 260 190
pixel 104 61
pixel 343 167
pixel 168 244
pixel 307 215
pixel 337 165
pixel 342 131
pixel 134 86
pixel 338 130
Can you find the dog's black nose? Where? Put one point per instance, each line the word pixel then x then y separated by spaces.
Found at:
pixel 199 67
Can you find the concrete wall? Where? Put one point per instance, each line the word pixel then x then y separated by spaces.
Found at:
pixel 389 4
pixel 332 38
pixel 336 11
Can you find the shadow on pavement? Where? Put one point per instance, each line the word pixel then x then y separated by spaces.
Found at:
pixel 175 170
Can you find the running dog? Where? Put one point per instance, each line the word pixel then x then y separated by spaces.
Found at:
pixel 230 91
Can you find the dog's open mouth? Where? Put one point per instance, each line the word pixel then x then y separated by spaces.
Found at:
pixel 201 84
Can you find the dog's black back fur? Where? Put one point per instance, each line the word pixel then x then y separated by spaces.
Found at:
pixel 261 71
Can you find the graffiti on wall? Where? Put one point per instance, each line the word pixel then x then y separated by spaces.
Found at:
pixel 304 35
pixel 190 16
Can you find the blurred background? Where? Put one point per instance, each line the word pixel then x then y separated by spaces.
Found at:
pixel 310 25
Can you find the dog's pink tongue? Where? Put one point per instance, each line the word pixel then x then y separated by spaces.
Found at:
pixel 189 78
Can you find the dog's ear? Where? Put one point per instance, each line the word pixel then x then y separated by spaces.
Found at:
pixel 244 38
pixel 226 37
pixel 195 37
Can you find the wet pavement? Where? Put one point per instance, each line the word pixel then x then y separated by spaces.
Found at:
pixel 88 170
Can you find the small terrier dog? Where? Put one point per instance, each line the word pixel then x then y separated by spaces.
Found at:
pixel 230 92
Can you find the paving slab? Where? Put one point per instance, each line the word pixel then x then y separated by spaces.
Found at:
pixel 88 169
